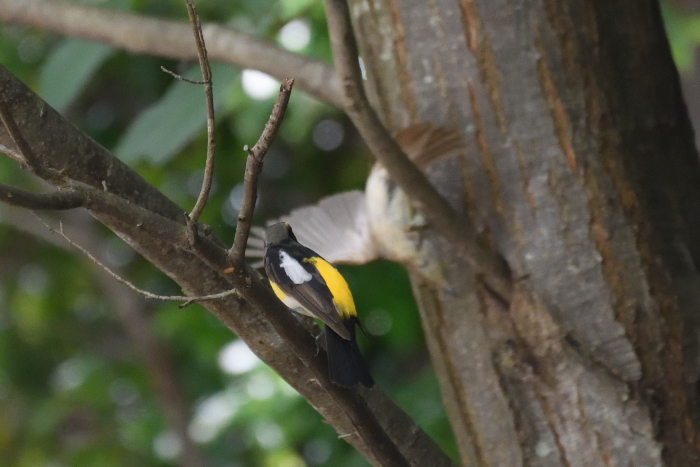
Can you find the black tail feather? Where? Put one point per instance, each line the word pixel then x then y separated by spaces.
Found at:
pixel 346 367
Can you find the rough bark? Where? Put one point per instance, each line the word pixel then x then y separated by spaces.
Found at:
pixel 581 170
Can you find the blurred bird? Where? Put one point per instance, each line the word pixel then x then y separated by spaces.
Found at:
pixel 308 284
pixel 357 227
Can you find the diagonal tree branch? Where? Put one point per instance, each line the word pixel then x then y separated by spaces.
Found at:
pixel 86 197
pixel 143 35
pixel 156 228
pixel 411 180
pixel 366 426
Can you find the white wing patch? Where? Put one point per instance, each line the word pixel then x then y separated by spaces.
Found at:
pixel 294 270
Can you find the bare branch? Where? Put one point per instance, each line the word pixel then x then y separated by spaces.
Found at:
pixel 253 168
pixel 139 34
pixel 209 93
pixel 180 77
pixel 72 199
pixel 155 227
pixel 58 201
pixel 365 424
pixel 411 180
pixel 11 150
pixel 165 298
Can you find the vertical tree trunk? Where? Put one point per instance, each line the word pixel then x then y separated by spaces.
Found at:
pixel 580 169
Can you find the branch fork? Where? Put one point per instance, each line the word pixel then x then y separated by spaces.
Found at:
pixel 349 407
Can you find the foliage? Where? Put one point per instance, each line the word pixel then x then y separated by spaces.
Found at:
pixel 683 31
pixel 74 387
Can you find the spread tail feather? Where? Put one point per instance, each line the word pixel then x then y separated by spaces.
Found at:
pixel 346 367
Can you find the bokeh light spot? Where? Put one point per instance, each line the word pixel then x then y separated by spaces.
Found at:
pixel 317 452
pixel 268 435
pixel 328 135
pixel 123 392
pixel 212 415
pixel 33 279
pixel 295 35
pixel 260 386
pixel 70 374
pixel 259 85
pixel 167 445
pixel 236 358
pixel 378 322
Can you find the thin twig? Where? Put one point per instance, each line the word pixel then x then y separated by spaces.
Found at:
pixel 454 227
pixel 150 221
pixel 180 77
pixel 58 201
pixel 12 153
pixel 168 298
pixel 253 168
pixel 132 311
pixel 209 93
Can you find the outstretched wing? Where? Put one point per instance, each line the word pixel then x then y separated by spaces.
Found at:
pixel 336 228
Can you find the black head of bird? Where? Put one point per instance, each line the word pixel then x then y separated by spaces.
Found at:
pixel 278 233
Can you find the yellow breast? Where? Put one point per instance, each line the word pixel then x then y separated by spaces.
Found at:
pixel 286 299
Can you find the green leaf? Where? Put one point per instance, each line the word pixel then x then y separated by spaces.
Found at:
pixel 683 31
pixel 169 124
pixel 294 8
pixel 68 68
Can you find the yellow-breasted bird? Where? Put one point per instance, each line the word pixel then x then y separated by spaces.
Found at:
pixel 310 285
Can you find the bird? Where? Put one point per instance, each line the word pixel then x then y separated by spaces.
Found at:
pixel 308 284
pixel 357 227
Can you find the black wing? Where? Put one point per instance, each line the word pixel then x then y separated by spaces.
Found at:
pixel 313 294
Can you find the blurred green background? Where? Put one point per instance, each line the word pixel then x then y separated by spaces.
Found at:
pixel 79 384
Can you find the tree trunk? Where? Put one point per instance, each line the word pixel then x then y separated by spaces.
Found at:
pixel 580 169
